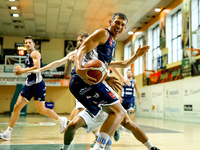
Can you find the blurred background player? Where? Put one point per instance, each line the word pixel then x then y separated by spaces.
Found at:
pixel 128 96
pixel 34 87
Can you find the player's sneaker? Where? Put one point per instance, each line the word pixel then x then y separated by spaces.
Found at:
pixel 154 148
pixel 91 145
pixel 5 136
pixel 62 123
pixel 117 135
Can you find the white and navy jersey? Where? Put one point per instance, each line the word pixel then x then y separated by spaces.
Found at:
pixel 128 91
pixel 32 78
pixel 102 52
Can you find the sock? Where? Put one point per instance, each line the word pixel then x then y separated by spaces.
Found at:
pixel 66 147
pixel 109 144
pixel 148 144
pixel 59 118
pixel 9 130
pixel 96 134
pixel 102 140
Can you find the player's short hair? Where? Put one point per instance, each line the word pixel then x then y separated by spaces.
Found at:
pixel 29 37
pixel 123 16
pixel 83 34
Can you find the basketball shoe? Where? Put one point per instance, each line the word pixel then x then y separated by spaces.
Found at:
pixel 62 123
pixel 117 135
pixel 5 136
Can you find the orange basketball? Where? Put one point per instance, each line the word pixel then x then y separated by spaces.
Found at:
pixel 99 70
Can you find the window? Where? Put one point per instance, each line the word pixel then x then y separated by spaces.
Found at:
pixel 156 45
pixel 176 36
pixel 199 12
pixel 195 11
pixel 138 63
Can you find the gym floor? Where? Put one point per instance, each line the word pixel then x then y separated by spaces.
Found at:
pixel 36 132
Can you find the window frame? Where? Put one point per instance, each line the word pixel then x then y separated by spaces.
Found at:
pixel 177 38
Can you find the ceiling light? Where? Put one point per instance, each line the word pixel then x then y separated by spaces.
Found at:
pixel 157 9
pixel 130 32
pixel 138 33
pixel 11 0
pixel 15 15
pixel 13 8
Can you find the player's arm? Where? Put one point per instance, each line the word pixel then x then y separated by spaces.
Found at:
pixel 97 38
pixel 35 55
pixel 123 80
pixel 120 96
pixel 137 91
pixel 124 64
pixel 53 65
pixel 69 56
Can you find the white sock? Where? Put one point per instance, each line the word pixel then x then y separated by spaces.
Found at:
pixel 102 140
pixel 9 130
pixel 148 144
pixel 109 144
pixel 59 118
pixel 96 134
pixel 66 147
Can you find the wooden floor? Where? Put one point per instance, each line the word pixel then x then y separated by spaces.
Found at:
pixel 42 133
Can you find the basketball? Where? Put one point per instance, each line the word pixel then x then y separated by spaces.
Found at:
pixel 99 71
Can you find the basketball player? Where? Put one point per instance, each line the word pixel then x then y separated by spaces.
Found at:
pixel 100 96
pixel 34 87
pixel 79 107
pixel 127 95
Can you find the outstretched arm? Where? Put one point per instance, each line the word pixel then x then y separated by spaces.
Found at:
pixel 54 64
pixel 137 91
pixel 124 64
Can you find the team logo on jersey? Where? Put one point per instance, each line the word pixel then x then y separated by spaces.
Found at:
pixel 84 90
pixel 112 95
pixel 96 95
pixel 111 42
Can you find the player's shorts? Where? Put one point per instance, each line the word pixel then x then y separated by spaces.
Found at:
pixel 93 121
pixel 92 97
pixel 79 105
pixel 38 91
pixel 128 103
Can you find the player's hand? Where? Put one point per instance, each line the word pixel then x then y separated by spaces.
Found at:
pixel 139 101
pixel 142 50
pixel 82 72
pixel 114 83
pixel 18 70
pixel 126 81
pixel 72 58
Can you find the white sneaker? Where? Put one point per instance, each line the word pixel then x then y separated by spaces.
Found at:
pixel 62 123
pixel 5 135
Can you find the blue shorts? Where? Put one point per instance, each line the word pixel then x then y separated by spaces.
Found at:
pixel 128 103
pixel 38 91
pixel 92 97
